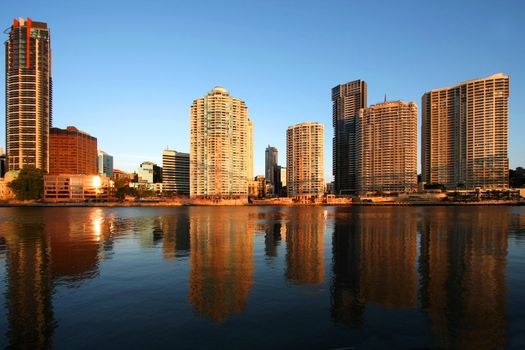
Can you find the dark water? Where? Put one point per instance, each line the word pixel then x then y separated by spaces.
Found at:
pixel 323 278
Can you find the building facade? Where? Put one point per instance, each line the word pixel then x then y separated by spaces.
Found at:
pixel 68 187
pixel 149 173
pixel 176 172
pixel 72 151
pixel 271 166
pixel 386 148
pixel 220 143
pixel 249 166
pixel 464 134
pixel 105 164
pixel 347 100
pixel 305 159
pixel 28 95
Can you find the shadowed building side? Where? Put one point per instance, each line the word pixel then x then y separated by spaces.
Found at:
pixel 347 100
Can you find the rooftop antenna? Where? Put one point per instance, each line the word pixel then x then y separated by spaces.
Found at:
pixel 385 98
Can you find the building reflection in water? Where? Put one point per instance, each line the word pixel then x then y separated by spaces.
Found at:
pixel 221 260
pixel 176 236
pixel 305 245
pixel 30 286
pixel 462 267
pixel 54 246
pixel 275 233
pixel 374 261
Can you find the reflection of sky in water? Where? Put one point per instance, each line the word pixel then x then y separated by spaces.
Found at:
pixel 317 277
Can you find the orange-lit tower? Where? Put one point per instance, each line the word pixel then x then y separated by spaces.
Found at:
pixel 28 95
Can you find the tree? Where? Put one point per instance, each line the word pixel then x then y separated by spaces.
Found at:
pixel 29 184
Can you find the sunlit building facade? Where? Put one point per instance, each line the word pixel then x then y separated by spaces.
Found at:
pixel 28 95
pixel 66 187
pixel 72 151
pixel 464 134
pixel 221 146
pixel 386 148
pixel 305 159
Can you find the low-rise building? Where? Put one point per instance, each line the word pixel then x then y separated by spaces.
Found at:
pixel 77 188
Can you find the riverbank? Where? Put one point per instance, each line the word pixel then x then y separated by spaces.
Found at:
pixel 258 204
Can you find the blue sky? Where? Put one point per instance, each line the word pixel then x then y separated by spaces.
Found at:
pixel 127 71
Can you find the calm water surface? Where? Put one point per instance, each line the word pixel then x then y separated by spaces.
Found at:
pixel 312 277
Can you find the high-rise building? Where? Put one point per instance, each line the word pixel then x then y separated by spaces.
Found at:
pixel 175 172
pixel 270 166
pixel 305 159
pixel 386 147
pixel 347 100
pixel 72 151
pixel 28 95
pixel 220 141
pixel 105 164
pixel 249 166
pixel 464 134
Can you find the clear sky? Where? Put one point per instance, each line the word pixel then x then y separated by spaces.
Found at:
pixel 127 71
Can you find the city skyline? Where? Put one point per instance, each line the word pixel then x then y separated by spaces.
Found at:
pixel 275 91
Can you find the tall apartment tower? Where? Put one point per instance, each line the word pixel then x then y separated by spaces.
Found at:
pixel 105 164
pixel 305 159
pixel 28 95
pixel 347 100
pixel 220 143
pixel 386 147
pixel 72 151
pixel 249 166
pixel 464 134
pixel 270 165
pixel 175 172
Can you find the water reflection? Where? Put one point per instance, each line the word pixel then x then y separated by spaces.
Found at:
pixel 221 260
pixel 305 246
pixel 42 251
pixel 462 266
pixel 374 261
pixel 176 236
pixel 29 286
pixel 443 267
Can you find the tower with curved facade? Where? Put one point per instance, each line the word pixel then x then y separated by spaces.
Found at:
pixel 28 95
pixel 220 145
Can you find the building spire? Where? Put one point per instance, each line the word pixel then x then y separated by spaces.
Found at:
pixel 385 98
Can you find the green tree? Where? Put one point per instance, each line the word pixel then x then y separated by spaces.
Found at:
pixel 29 184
